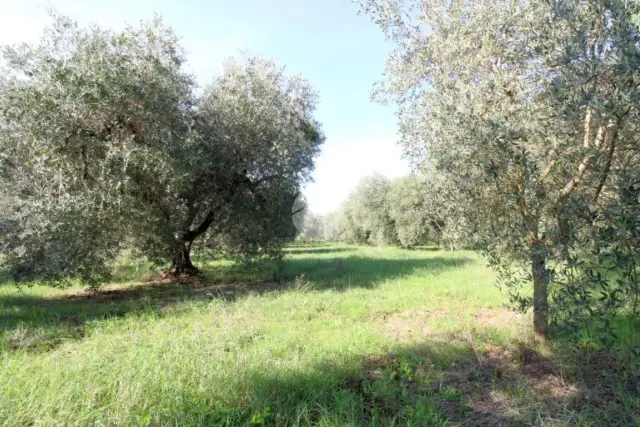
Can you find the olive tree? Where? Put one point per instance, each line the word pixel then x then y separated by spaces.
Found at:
pixel 408 210
pixel 312 227
pixel 529 110
pixel 422 212
pixel 332 226
pixel 359 218
pixel 350 225
pixel 368 205
pixel 105 145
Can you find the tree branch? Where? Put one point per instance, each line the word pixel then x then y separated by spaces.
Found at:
pixel 587 129
pixel 547 170
pixel 191 235
pixel 85 162
pixel 297 211
pixel 236 182
pixel 576 179
pixel 607 165
pixel 600 136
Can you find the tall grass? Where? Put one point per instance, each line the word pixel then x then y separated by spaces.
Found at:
pixel 355 336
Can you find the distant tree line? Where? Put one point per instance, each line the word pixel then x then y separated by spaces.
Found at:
pixel 405 211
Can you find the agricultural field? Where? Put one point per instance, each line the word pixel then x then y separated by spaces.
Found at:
pixel 204 221
pixel 349 335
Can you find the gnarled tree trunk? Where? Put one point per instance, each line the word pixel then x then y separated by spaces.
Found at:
pixel 181 263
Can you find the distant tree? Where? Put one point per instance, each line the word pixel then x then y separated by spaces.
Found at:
pixel 404 211
pixel 409 210
pixel 351 228
pixel 422 212
pixel 528 110
pixel 368 208
pixel 312 227
pixel 104 145
pixel 332 226
pixel 446 210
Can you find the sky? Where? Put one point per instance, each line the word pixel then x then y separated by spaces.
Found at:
pixel 341 52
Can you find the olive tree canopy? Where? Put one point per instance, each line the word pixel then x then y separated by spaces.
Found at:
pixel 104 144
pixel 529 110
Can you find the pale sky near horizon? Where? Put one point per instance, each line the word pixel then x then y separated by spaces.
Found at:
pixel 341 52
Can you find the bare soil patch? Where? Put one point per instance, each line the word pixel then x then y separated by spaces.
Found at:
pixel 412 324
pixel 497 317
pixel 499 387
pixel 408 324
pixel 164 286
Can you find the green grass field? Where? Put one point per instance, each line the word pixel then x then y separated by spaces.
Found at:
pixel 354 336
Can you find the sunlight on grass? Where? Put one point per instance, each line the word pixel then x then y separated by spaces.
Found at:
pixel 373 336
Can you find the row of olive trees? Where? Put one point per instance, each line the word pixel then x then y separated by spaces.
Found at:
pixel 404 211
pixel 106 143
pixel 529 112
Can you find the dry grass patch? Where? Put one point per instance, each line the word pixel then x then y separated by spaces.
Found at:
pixel 411 325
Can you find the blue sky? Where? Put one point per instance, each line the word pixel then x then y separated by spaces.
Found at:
pixel 340 52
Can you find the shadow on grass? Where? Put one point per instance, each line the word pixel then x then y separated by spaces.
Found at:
pixel 425 248
pixel 315 250
pixel 5 278
pixel 343 273
pixel 437 384
pixel 36 323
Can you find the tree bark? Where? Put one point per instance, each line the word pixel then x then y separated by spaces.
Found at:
pixel 181 263
pixel 540 276
pixel 607 165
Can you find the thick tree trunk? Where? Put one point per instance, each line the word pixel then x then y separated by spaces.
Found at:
pixel 182 260
pixel 540 290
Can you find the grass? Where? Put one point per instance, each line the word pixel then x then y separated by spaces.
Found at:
pixel 354 336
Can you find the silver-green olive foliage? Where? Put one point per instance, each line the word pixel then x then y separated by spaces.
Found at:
pixel 332 226
pixel 408 210
pixel 105 145
pixel 370 209
pixel 529 110
pixel 402 211
pixel 312 227
pixel 420 214
pixel 364 216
